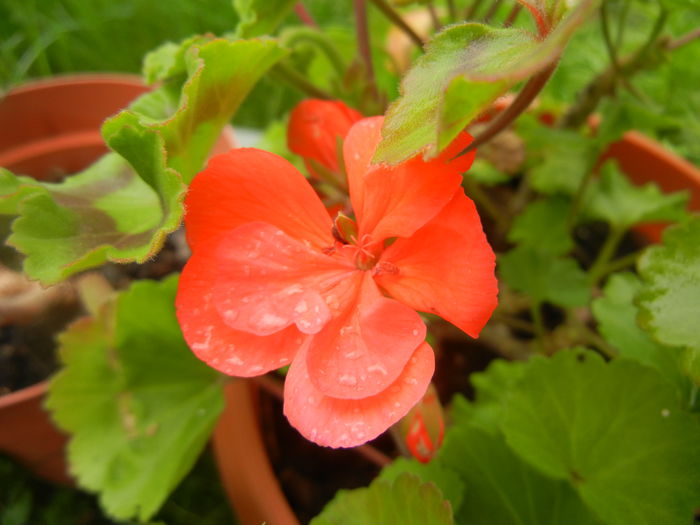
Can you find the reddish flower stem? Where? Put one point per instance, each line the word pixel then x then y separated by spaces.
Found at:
pixel 520 104
pixel 275 388
pixel 513 15
pixel 304 15
pixel 363 44
pixel 395 17
pixel 683 40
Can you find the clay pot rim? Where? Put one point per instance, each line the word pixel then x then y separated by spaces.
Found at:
pixel 23 394
pixel 73 79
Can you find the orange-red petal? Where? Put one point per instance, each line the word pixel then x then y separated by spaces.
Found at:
pixel 334 422
pixel 395 201
pixel 363 350
pixel 315 127
pixel 230 351
pixel 446 267
pixel 246 185
pixel 268 280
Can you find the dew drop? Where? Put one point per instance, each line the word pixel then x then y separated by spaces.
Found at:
pixel 347 379
pixel 665 412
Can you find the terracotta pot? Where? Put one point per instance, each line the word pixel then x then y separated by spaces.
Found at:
pixel 245 468
pixel 52 127
pixel 644 160
pixel 55 130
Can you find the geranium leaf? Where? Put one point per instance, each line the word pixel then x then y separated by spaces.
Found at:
pixel 465 68
pixel 543 226
pixel 614 431
pixel 138 405
pixel 444 478
pixel 615 200
pixel 670 299
pixel 122 207
pixel 617 322
pixel 502 489
pixel 260 17
pixel 406 501
pixel 560 158
pixel 543 277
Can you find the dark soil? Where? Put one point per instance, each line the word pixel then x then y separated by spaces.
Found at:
pixel 310 475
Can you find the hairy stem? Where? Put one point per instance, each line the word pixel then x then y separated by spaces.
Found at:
pixel 647 56
pixel 304 15
pixel 396 18
pixel 321 42
pixel 606 253
pixel 520 104
pixel 363 44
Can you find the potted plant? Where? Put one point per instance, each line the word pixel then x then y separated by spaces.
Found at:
pixel 580 402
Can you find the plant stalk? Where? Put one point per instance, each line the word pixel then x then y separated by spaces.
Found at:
pixel 304 15
pixel 396 18
pixel 295 79
pixel 520 104
pixel 363 44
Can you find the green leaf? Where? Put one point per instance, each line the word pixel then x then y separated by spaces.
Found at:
pixel 444 478
pixel 670 299
pixel 491 390
pixel 122 207
pixel 464 69
pixel 483 172
pixel 406 501
pixel 560 158
pixel 138 404
pixel 106 212
pixel 545 278
pixel 221 73
pixel 614 431
pixel 617 322
pixel 502 489
pixel 542 226
pixel 260 17
pixel 614 199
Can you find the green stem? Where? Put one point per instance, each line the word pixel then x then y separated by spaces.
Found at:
pixel 578 197
pixel 472 9
pixel 606 253
pixel 452 10
pixel 322 42
pixel 396 18
pixel 295 79
pixel 603 85
pixel 620 263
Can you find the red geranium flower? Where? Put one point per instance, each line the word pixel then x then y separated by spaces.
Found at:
pixel 268 284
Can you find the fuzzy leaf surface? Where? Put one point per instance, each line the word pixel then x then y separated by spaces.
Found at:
pixel 122 207
pixel 670 299
pixel 406 501
pixel 464 69
pixel 614 431
pixel 139 406
pixel 617 314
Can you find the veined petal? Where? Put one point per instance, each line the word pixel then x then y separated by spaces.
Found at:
pixel 334 422
pixel 315 127
pixel 246 185
pixel 395 201
pixel 446 267
pixel 230 351
pixel 363 350
pixel 268 281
